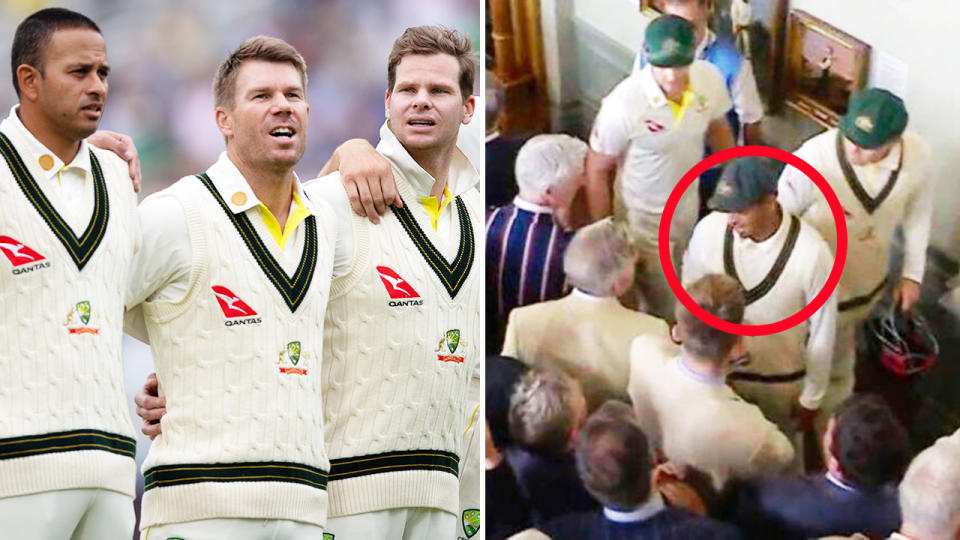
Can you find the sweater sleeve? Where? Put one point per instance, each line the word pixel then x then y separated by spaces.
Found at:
pixel 916 221
pixel 795 192
pixel 820 332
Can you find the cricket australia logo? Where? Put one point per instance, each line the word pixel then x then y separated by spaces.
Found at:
pixel 701 103
pixel 470 519
pixel 78 319
pixel 21 256
pixel 864 123
pixel 291 355
pixel 450 340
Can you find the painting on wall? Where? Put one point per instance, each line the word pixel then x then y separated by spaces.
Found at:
pixel 756 27
pixel 824 67
pixel 651 7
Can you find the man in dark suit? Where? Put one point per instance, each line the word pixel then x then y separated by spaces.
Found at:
pixel 615 466
pixel 501 151
pixel 866 452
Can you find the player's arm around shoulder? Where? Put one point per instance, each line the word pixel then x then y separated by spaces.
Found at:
pixel 165 252
pixel 329 191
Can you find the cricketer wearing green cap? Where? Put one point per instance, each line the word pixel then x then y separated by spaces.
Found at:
pixel 880 171
pixel 782 264
pixel 650 130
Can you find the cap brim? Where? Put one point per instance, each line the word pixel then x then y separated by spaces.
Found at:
pixel 726 204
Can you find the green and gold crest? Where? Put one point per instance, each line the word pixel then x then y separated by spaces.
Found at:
pixel 453 340
pixel 293 352
pixel 83 308
pixel 328 536
pixel 471 521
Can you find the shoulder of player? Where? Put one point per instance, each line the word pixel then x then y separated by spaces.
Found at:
pixel 916 148
pixel 705 76
pixel 810 238
pixel 626 92
pixel 115 169
pixel 327 188
pixel 713 224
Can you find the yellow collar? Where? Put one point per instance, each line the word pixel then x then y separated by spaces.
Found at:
pixel 280 236
pixel 238 194
pixel 678 109
pixel 435 207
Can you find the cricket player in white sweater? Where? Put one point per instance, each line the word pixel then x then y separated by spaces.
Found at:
pixel 650 130
pixel 782 264
pixel 68 232
pixel 390 287
pixel 234 279
pixel 403 328
pixel 881 174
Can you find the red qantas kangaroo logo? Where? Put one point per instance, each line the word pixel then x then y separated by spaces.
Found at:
pixel 18 253
pixel 231 304
pixel 396 286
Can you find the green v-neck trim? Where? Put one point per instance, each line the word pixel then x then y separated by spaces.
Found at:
pixel 870 204
pixel 452 275
pixel 292 289
pixel 765 285
pixel 82 248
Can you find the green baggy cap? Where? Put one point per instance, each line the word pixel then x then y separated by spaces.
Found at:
pixel 743 183
pixel 669 41
pixel 874 117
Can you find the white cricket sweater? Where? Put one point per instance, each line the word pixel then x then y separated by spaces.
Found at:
pixel 402 337
pixel 64 421
pixel 908 201
pixel 803 352
pixel 239 362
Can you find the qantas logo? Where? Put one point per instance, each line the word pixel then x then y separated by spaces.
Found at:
pixel 396 286
pixel 19 254
pixel 654 127
pixel 233 307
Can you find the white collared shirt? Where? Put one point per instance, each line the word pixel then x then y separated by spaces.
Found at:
pixel 70 182
pixel 524 204
pixel 645 511
pixel 839 483
pixel 637 125
pixel 162 269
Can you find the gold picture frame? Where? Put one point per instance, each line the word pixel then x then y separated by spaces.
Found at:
pixel 824 67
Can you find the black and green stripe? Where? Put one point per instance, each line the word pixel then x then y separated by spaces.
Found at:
pixel 67 441
pixel 452 276
pixel 292 289
pixel 858 301
pixel 79 249
pixel 407 460
pixel 870 204
pixel 270 471
pixel 765 285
